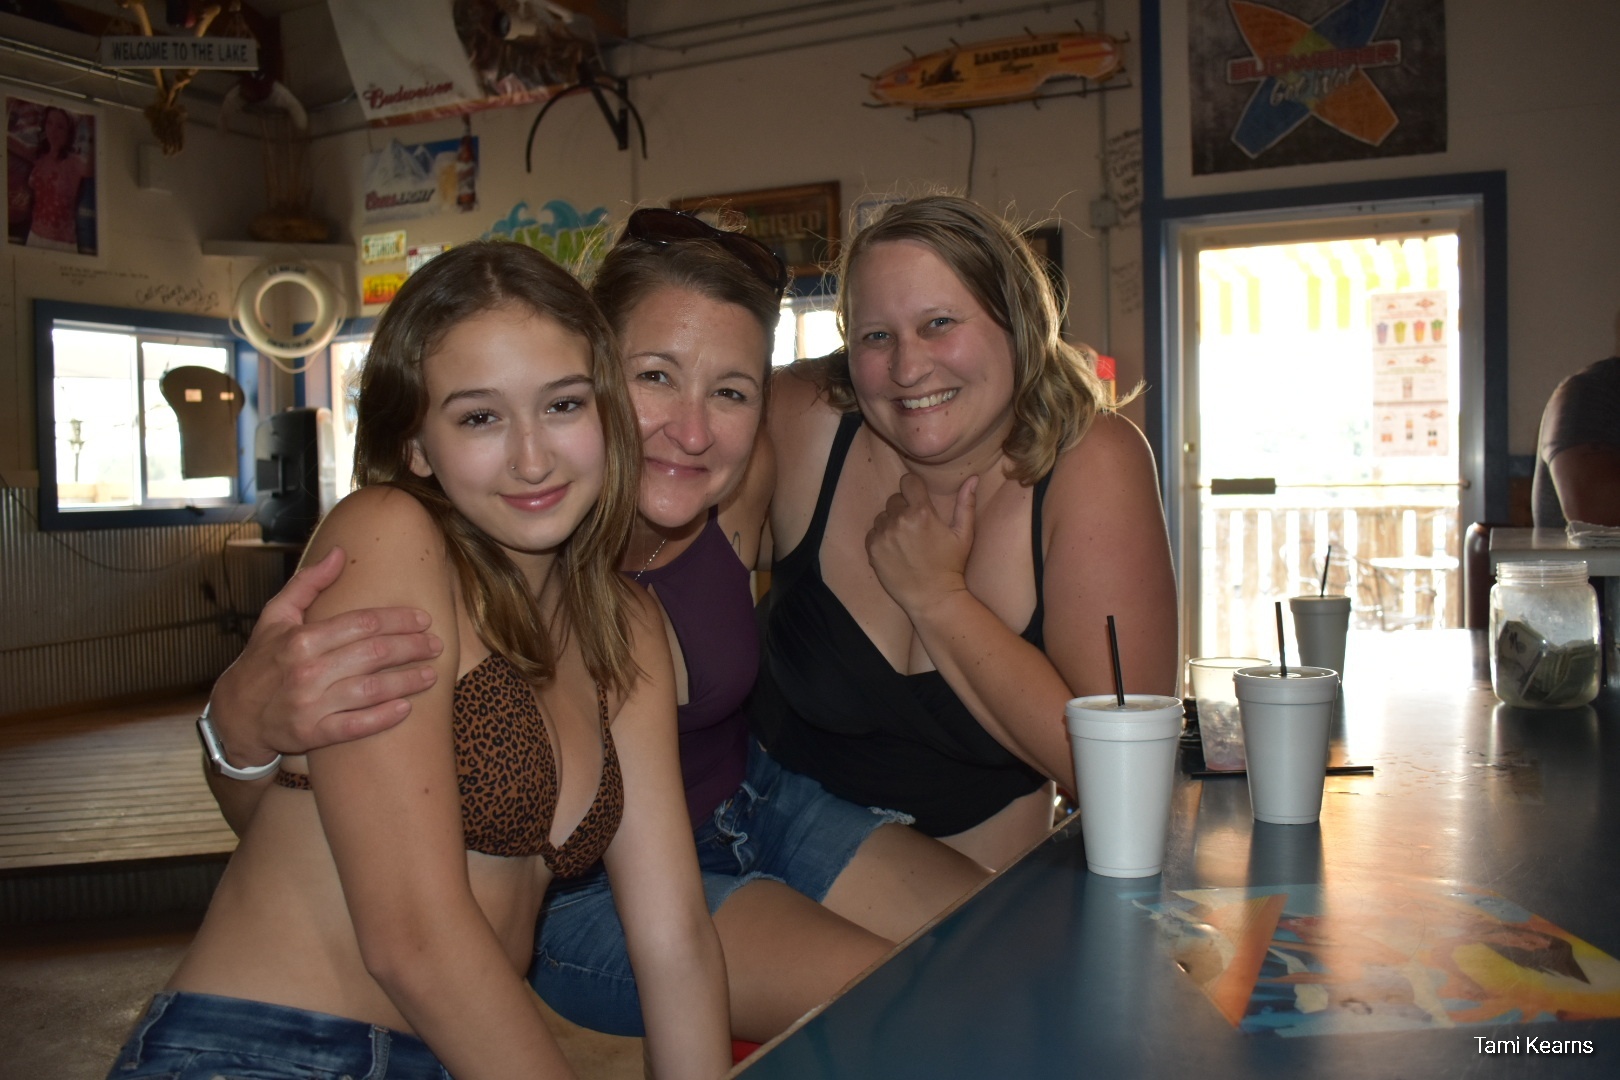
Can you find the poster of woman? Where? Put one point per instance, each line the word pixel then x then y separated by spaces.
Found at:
pixel 50 177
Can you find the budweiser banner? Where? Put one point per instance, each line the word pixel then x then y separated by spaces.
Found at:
pixel 415 60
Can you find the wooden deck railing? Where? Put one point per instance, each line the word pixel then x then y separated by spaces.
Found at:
pixel 1256 554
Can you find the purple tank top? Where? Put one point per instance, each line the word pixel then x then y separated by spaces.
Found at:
pixel 706 593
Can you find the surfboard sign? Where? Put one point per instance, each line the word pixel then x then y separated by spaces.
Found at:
pixel 996 72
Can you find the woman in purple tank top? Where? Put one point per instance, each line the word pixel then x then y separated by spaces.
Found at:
pixel 807 890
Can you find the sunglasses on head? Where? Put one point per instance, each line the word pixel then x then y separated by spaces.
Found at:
pixel 658 226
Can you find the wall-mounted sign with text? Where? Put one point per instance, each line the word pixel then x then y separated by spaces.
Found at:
pixel 800 224
pixel 1412 334
pixel 411 181
pixel 379 288
pixel 382 247
pixel 215 53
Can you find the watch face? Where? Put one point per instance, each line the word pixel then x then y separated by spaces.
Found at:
pixel 210 744
pixel 216 755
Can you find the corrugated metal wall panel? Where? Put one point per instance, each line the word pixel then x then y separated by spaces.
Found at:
pixel 95 892
pixel 100 613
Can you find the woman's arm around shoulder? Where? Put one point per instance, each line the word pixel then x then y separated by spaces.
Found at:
pixel 653 868
pixel 1109 554
pixel 742 515
pixel 391 812
pixel 299 684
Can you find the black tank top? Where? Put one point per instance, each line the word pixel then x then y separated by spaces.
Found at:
pixel 830 706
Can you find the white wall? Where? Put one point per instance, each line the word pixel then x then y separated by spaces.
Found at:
pixel 150 253
pixel 1532 90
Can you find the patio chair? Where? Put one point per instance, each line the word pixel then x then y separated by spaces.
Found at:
pixel 1385 591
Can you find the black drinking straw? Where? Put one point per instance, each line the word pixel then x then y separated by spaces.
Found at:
pixel 1326 562
pixel 1282 651
pixel 1113 647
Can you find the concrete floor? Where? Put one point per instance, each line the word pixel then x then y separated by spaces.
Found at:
pixel 69 993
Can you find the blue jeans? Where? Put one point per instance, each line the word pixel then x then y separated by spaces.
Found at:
pixel 202 1037
pixel 779 826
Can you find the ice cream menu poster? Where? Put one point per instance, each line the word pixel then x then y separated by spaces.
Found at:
pixel 1411 350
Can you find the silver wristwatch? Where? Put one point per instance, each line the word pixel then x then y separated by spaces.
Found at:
pixel 216 753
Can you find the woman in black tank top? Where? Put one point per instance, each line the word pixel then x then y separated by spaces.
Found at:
pixel 945 563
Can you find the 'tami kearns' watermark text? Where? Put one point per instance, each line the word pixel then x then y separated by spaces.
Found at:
pixel 1530 1046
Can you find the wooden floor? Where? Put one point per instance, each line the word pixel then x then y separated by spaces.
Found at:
pixel 113 786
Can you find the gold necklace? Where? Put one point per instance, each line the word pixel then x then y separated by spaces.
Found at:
pixel 648 564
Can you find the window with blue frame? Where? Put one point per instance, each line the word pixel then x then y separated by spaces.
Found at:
pixel 142 417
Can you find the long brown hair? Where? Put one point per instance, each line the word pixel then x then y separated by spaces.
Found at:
pixel 463 282
pixel 1056 391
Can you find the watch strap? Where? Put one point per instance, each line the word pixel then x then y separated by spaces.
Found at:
pixel 216 753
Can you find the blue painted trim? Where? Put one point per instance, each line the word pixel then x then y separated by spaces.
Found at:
pixel 52 519
pixel 246 364
pixel 1437 186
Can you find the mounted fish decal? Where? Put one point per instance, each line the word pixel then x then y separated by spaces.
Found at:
pixel 998 72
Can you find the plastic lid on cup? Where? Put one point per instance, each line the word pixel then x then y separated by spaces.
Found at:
pixel 1301 684
pixel 1334 604
pixel 1144 718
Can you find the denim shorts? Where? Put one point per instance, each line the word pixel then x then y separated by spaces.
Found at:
pixel 779 826
pixel 202 1037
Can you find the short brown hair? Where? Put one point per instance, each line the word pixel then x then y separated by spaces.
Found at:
pixel 465 281
pixel 633 269
pixel 1056 391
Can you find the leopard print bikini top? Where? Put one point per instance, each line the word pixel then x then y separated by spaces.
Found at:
pixel 507 774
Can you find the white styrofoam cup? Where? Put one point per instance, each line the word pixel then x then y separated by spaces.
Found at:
pixel 1286 725
pixel 1124 765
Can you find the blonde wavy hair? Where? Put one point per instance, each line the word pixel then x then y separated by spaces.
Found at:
pixel 465 281
pixel 1056 391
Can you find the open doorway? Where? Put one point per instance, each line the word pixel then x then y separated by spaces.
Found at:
pixel 1327 421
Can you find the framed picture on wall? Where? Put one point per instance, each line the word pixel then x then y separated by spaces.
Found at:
pixel 51 177
pixel 800 223
pixel 1300 82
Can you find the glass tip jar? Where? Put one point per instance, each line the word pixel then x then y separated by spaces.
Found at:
pixel 1544 635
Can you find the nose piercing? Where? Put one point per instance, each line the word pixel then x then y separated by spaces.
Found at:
pixel 514 467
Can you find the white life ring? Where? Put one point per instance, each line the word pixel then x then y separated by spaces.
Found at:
pixel 250 316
